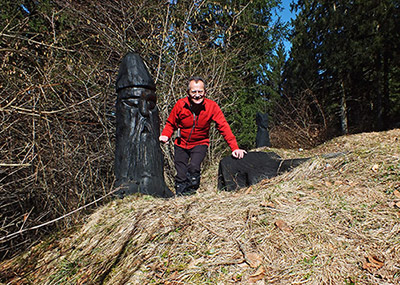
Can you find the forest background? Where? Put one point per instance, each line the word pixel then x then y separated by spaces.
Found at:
pixel 59 61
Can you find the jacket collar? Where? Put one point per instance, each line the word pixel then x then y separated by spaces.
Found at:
pixel 188 104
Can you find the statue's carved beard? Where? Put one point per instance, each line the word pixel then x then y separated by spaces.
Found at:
pixel 143 150
pixel 139 164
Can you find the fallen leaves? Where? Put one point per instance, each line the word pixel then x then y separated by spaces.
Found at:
pixel 339 183
pixel 351 183
pixel 375 168
pixel 195 262
pixel 267 204
pixel 283 226
pixel 395 204
pixel 258 275
pixel 253 259
pixel 372 263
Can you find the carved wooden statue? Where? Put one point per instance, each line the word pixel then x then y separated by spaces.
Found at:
pixel 139 162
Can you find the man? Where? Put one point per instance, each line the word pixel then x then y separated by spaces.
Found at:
pixel 192 117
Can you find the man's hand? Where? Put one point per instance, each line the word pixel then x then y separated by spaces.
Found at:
pixel 163 139
pixel 239 153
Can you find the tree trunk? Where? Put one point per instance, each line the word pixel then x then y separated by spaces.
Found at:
pixel 385 94
pixel 343 112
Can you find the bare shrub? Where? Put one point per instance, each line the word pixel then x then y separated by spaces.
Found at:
pixel 299 122
pixel 59 65
pixel 57 126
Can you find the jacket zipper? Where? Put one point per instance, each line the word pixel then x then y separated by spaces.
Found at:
pixel 194 125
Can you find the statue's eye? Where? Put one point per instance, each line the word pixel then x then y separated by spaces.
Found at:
pixel 131 102
pixel 151 105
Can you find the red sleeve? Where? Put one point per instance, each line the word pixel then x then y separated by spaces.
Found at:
pixel 224 129
pixel 171 124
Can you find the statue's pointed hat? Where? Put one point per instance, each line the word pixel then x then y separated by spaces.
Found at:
pixel 133 73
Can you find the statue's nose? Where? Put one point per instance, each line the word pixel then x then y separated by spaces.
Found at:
pixel 144 108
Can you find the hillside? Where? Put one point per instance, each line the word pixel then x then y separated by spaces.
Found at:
pixel 328 221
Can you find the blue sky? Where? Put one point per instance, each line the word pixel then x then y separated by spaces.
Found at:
pixel 286 16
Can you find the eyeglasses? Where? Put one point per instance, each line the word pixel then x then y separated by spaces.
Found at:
pixel 194 92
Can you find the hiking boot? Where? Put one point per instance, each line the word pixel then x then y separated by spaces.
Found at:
pixel 180 188
pixel 183 189
pixel 194 181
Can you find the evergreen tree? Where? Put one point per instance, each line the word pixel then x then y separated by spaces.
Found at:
pixel 246 33
pixel 345 52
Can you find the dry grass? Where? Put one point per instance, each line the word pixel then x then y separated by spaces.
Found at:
pixel 317 224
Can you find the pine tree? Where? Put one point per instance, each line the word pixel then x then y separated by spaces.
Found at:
pixel 345 52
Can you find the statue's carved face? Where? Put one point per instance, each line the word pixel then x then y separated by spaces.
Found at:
pixel 139 98
pixel 137 107
pixel 137 158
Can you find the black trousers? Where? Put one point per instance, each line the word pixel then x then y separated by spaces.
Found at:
pixel 188 161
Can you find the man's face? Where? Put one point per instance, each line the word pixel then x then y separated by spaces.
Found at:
pixel 196 91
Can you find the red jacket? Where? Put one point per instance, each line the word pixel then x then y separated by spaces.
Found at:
pixel 195 126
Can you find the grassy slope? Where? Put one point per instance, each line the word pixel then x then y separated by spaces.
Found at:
pixel 316 224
